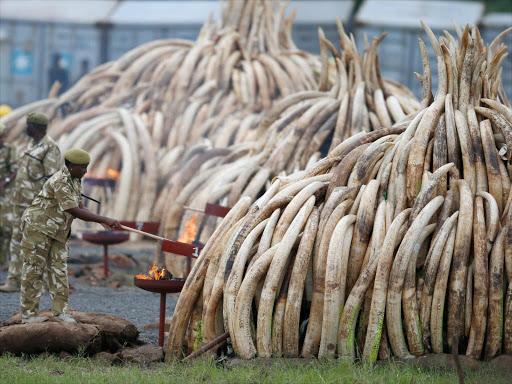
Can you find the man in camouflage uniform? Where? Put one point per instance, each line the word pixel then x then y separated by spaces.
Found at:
pixel 46 227
pixel 40 161
pixel 7 173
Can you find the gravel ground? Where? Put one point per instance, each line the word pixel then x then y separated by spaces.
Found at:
pixel 128 302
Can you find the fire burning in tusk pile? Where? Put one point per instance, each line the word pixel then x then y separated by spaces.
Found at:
pixel 190 230
pixel 112 174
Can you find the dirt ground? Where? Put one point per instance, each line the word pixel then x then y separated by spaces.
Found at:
pixel 115 295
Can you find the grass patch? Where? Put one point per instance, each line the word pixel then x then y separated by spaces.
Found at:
pixel 50 369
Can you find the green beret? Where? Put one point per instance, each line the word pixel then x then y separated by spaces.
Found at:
pixel 77 156
pixel 37 118
pixel 3 128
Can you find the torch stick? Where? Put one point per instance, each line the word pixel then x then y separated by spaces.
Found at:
pixel 143 233
pixel 205 348
pixel 193 209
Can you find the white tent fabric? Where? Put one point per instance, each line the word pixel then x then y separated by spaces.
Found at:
pixel 407 14
pixel 164 12
pixel 154 12
pixel 196 12
pixel 498 20
pixel 64 11
pixel 315 12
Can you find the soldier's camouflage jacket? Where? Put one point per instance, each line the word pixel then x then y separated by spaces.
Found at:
pixel 7 166
pixel 47 211
pixel 7 161
pixel 35 165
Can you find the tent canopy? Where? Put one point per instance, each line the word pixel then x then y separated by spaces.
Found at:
pixel 164 12
pixel 497 20
pixel 407 14
pixel 69 11
pixel 154 12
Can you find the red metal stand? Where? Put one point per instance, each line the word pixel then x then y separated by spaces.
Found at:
pixel 161 323
pixel 105 261
pixel 163 287
pixel 105 238
pixel 216 210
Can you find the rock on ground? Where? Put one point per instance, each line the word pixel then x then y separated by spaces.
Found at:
pixel 93 333
pixel 144 354
pixel 502 363
pixel 50 337
pixel 443 361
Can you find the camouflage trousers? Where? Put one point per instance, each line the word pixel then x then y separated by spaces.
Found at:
pixel 16 262
pixel 43 256
pixel 5 238
pixel 6 218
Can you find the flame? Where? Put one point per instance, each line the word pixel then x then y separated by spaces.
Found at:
pixel 112 173
pixel 189 232
pixel 155 273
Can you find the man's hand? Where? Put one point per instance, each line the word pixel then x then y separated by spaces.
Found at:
pixel 86 215
pixel 111 224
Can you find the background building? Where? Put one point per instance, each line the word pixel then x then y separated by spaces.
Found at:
pixel 44 40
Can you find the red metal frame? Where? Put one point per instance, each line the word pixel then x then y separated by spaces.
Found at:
pixel 216 210
pixel 191 251
pixel 146 226
pixel 181 249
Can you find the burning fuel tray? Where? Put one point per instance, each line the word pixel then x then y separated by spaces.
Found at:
pixel 163 287
pixel 160 286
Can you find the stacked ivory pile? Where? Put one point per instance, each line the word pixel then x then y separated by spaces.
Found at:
pixel 291 135
pixel 140 114
pixel 398 243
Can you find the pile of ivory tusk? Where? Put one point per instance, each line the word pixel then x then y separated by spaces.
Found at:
pixel 149 110
pixel 292 136
pixel 398 243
